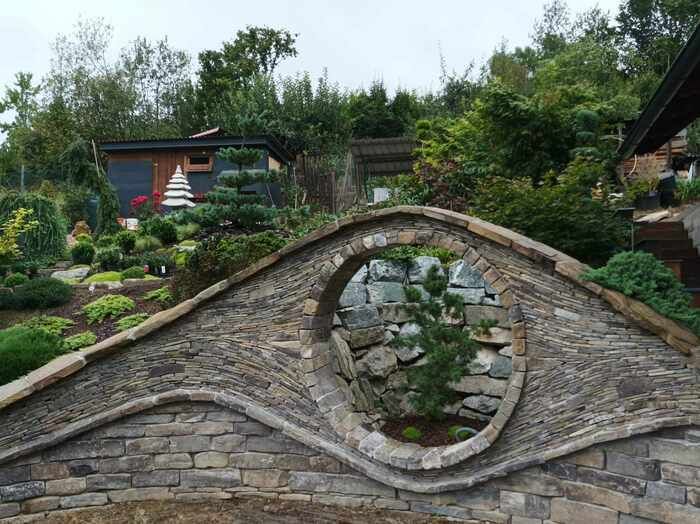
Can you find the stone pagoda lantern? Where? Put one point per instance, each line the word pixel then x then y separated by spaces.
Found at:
pixel 178 191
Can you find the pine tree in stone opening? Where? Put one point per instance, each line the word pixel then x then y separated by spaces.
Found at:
pixel 177 194
pixel 246 210
pixel 448 350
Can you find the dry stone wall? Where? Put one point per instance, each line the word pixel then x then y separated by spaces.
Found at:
pixel 200 451
pixel 594 368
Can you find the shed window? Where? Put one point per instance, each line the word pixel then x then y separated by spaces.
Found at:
pixel 199 163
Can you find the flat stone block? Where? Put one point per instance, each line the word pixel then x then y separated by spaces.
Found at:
pixel 214 478
pixel 39 505
pixel 112 481
pixel 69 486
pixel 86 499
pixel 137 494
pixel 570 512
pixel 173 460
pixel 211 459
pixel 265 478
pixel 633 466
pixel 664 491
pixel 676 451
pixel 49 471
pixel 524 504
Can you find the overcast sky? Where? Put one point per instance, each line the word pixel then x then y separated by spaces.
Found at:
pixel 357 40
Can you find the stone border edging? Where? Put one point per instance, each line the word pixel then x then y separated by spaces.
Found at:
pixel 333 402
pixel 311 439
pixel 671 332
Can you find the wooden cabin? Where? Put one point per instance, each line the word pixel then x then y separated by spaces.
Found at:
pixel 142 167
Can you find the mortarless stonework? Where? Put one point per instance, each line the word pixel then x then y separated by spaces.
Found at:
pixel 591 375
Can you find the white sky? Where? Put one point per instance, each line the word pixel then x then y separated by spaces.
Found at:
pixel 357 40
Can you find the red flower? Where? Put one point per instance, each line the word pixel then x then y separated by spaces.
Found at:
pixel 138 201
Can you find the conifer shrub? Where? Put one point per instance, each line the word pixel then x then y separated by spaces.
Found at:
pixel 411 433
pixel 15 279
pixel 24 349
pixel 448 349
pixel 126 240
pixel 41 293
pixel 52 324
pixel 134 272
pixel 109 258
pixel 161 228
pixel 82 253
pixel 147 243
pixel 642 276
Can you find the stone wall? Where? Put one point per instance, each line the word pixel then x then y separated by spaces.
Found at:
pixel 372 311
pixel 199 451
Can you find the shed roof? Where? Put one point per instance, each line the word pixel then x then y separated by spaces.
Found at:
pixel 673 107
pixel 384 156
pixel 209 138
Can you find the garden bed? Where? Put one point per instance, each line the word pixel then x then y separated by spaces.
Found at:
pixel 82 296
pixel 433 432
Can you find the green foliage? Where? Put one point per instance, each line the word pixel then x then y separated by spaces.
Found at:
pixel 559 214
pixel 406 254
pixel 404 190
pixel 106 276
pixel 109 258
pixel 448 350
pixel 54 325
pixel 40 293
pixel 156 261
pixel 82 253
pixel 80 340
pixel 220 256
pixel 186 231
pixel 48 238
pixel 301 221
pixel 75 204
pixel 146 244
pixel 161 228
pixel 460 433
pixel 688 191
pixel 130 321
pixel 642 276
pixel 483 328
pixel 411 433
pixel 133 272
pixel 106 241
pixel 374 115
pixel 15 279
pixel 161 295
pixel 84 237
pixel 24 349
pixel 126 240
pixel 18 223
pixel 107 306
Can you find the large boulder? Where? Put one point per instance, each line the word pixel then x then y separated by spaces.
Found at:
pixel 482 403
pixel 481 385
pixel 483 361
pixel 379 362
pixel 343 356
pixel 502 367
pixel 386 271
pixel 475 314
pixel 354 294
pixel 360 317
pixel 359 338
pixel 382 292
pixel 78 273
pixel 408 354
pixel 418 270
pixel 461 274
pixel 395 313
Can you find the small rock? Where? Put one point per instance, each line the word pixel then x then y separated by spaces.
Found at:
pixel 506 351
pixel 388 337
pixel 418 270
pixel 360 338
pixel 70 274
pixel 462 274
pixel 393 328
pixel 496 336
pixel 354 294
pixel 386 271
pixel 378 362
pixel 360 276
pixel 502 367
pixel 482 403
pixel 470 413
pixel 381 292
pixel 336 320
pixel 360 317
pixel 483 361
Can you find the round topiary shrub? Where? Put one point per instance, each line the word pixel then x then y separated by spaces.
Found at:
pixel 134 272
pixel 164 230
pixel 16 279
pixel 126 240
pixel 42 293
pixel 25 349
pixel 109 258
pixel 82 253
pixel 83 237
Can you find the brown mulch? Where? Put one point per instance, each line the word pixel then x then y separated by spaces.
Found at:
pixel 233 511
pixel 82 296
pixel 434 432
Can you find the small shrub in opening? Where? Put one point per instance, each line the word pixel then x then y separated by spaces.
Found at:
pixel 109 258
pixel 186 231
pixel 106 241
pixel 483 328
pixel 161 295
pixel 448 350
pixel 131 321
pixel 642 276
pixel 134 272
pixel 42 293
pixel 82 253
pixel 126 240
pixel 15 279
pixel 163 229
pixel 412 433
pixel 107 306
pixel 81 340
pixel 157 261
pixel 54 325
pixel 106 276
pixel 460 433
pixel 24 349
pixel 83 237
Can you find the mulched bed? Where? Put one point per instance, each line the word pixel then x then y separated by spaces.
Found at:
pixel 82 296
pixel 434 431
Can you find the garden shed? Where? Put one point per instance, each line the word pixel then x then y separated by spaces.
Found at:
pixel 142 167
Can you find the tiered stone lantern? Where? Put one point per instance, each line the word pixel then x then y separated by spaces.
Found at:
pixel 178 191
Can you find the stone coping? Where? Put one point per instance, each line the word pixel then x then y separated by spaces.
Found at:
pixel 339 411
pixel 671 332
pixel 355 460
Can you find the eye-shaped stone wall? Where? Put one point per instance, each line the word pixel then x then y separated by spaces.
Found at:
pixel 598 367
